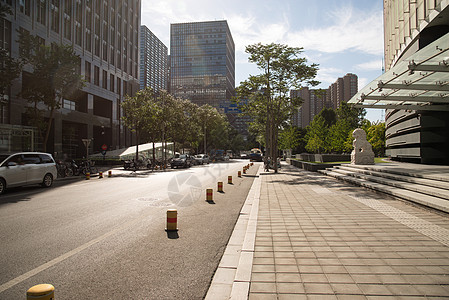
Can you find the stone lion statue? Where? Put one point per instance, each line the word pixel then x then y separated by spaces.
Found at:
pixel 363 151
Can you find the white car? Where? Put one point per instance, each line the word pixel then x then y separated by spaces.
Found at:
pixel 202 158
pixel 25 168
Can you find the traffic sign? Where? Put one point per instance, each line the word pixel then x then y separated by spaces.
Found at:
pixel 104 147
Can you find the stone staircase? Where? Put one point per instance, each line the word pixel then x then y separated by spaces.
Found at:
pixel 429 190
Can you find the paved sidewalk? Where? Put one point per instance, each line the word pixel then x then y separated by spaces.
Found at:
pixel 319 238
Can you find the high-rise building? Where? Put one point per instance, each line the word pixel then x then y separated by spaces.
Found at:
pixel 153 61
pixel 413 89
pixel 202 63
pixel 315 100
pixel 105 35
pixel 343 89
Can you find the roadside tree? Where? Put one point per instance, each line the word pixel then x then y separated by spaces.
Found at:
pixel 268 94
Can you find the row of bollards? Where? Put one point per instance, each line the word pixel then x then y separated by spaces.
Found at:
pixel 47 291
pixel 172 213
pixel 100 175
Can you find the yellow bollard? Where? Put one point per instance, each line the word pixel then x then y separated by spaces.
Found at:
pixel 220 187
pixel 100 174
pixel 229 179
pixel 209 193
pixel 41 292
pixel 172 220
pixel 87 176
pixel 109 173
pixel 239 174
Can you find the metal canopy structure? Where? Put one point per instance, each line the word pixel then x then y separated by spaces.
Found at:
pixel 421 82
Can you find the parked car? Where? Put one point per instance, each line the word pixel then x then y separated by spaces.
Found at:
pixel 181 160
pixel 202 159
pixel 25 168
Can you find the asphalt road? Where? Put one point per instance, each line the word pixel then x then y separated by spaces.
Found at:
pixel 105 238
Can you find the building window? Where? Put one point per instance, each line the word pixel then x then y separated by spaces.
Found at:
pixel 55 16
pixel 67 27
pixel 41 11
pixel 25 7
pixel 105 79
pixel 88 46
pixel 78 34
pixel 87 70
pixel 119 86
pixel 71 105
pixel 96 75
pixel 105 51
pixel 97 46
pixel 111 82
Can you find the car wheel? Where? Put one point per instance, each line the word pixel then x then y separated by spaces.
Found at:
pixel 2 186
pixel 48 180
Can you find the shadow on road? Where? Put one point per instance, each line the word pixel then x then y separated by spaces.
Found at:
pixel 173 235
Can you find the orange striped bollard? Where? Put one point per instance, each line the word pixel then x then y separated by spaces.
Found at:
pixel 229 179
pixel 209 193
pixel 239 174
pixel 244 170
pixel 220 187
pixel 100 174
pixel 109 173
pixel 172 220
pixel 41 292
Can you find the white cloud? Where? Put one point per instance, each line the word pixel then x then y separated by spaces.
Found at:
pixel 375 65
pixel 358 31
pixel 327 76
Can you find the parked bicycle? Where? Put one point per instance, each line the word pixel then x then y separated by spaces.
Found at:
pixel 88 166
pixel 63 169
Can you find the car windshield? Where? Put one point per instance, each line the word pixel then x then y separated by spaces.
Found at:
pixel 183 156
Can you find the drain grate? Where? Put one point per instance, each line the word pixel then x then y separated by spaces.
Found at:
pixel 430 230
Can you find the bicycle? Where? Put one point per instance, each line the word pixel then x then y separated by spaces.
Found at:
pixel 63 169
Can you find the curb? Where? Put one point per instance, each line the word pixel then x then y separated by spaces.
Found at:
pixel 233 275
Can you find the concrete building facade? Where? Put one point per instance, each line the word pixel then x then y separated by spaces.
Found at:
pixel 315 100
pixel 153 61
pixel 105 35
pixel 409 26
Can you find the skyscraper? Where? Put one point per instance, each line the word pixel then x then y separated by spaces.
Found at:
pixel 153 61
pixel 202 56
pixel 105 35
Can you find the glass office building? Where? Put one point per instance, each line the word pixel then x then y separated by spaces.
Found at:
pixel 153 61
pixel 202 63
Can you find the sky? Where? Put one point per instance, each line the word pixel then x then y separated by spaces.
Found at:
pixel 341 36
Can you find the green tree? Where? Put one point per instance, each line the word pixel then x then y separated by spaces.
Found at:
pixel 290 138
pixel 139 113
pixel 269 102
pixel 316 136
pixel 56 76
pixel 375 135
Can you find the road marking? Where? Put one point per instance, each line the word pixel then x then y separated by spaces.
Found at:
pixel 63 257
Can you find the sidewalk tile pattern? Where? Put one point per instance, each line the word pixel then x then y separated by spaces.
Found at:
pixel 318 238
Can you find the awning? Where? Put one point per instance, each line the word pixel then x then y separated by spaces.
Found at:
pixel 420 82
pixel 145 150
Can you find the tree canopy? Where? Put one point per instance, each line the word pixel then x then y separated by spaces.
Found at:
pixel 267 95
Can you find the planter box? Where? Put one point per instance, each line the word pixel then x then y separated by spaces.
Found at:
pixel 322 158
pixel 309 166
